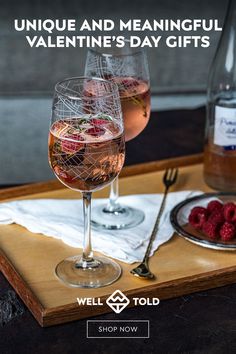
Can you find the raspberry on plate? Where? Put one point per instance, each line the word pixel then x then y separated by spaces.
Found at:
pixel 229 210
pixel 214 205
pixel 198 217
pixel 211 230
pixel 227 231
pixel 217 216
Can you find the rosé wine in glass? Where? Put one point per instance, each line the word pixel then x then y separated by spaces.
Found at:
pixel 86 149
pixel 86 154
pixel 135 104
pixel 128 68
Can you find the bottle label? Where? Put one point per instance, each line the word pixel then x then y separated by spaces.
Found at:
pixel 225 127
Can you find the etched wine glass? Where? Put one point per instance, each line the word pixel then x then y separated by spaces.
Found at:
pixel 128 68
pixel 86 152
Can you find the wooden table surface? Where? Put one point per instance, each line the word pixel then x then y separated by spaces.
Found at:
pixel 180 266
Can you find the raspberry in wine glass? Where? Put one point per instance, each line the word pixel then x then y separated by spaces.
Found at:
pixel 86 153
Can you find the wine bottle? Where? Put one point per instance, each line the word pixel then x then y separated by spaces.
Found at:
pixel 220 139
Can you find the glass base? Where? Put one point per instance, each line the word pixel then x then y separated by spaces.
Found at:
pixel 99 272
pixel 121 217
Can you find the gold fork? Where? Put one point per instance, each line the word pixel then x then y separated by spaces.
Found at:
pixel 142 270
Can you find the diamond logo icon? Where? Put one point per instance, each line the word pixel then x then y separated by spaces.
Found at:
pixel 117 301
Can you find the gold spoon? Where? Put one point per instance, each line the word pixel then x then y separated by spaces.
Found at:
pixel 142 270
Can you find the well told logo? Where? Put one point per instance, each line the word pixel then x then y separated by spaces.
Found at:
pixel 118 301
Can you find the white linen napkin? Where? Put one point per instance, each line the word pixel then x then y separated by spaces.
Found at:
pixel 63 219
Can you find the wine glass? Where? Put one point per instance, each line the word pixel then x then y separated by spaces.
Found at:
pixel 86 152
pixel 128 68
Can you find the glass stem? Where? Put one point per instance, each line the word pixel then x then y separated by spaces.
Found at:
pixel 87 255
pixel 114 192
pixel 112 205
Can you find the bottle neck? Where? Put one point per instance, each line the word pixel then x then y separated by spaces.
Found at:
pixel 230 18
pixel 225 58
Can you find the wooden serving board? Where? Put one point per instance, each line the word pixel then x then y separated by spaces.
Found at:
pixel 28 260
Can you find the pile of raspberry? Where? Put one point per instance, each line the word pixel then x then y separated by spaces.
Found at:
pixel 217 220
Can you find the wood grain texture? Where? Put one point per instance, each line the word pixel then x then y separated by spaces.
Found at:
pixel 28 260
